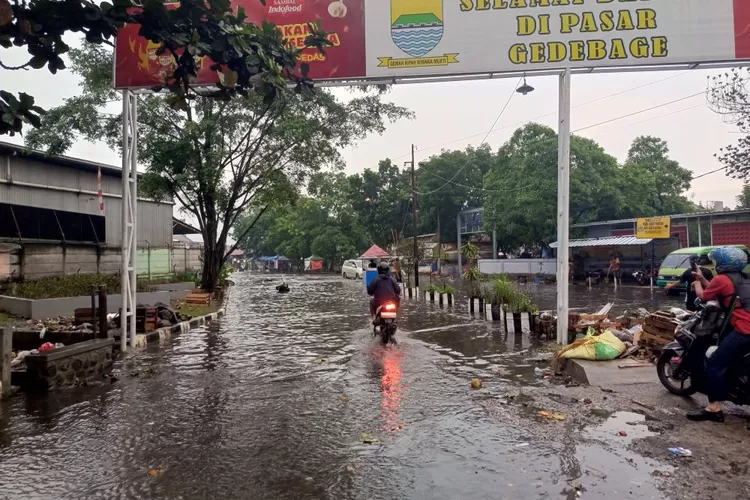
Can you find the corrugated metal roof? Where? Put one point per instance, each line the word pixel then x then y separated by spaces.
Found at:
pixel 7 148
pixel 614 241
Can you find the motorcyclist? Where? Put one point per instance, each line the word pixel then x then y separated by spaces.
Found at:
pixel 383 289
pixel 731 281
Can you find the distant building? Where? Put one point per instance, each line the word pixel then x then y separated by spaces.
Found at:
pixel 52 223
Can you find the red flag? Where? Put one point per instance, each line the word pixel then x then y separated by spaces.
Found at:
pixel 99 192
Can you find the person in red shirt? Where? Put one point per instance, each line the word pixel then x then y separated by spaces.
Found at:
pixel 730 282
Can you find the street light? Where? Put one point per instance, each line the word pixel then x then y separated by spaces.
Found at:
pixel 525 88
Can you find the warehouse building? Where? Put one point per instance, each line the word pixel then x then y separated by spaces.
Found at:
pixel 53 222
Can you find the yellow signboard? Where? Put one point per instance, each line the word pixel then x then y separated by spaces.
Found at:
pixel 653 227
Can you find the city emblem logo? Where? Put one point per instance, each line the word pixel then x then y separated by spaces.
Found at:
pixel 416 29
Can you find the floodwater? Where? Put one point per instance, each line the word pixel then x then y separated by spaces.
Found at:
pixel 276 400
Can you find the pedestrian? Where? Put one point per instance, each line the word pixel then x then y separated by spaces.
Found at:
pixel 614 268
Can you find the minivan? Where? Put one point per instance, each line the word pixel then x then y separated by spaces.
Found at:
pixel 352 269
pixel 678 261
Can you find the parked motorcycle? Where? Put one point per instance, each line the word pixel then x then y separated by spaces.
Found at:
pixel 682 364
pixel 385 322
pixel 643 276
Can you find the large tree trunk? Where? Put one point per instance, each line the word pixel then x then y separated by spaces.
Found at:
pixel 212 262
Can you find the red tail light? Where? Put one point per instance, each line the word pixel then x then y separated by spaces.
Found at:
pixel 390 307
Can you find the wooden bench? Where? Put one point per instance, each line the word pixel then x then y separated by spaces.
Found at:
pixel 203 299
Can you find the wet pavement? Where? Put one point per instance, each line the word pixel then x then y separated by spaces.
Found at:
pixel 272 403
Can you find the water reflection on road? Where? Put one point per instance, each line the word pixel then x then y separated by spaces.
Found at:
pixel 272 404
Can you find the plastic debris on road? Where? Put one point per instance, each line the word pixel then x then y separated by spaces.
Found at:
pixel 680 452
pixel 156 471
pixel 368 438
pixel 553 415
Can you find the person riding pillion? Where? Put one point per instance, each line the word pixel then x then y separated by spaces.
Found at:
pixel 383 288
pixel 730 282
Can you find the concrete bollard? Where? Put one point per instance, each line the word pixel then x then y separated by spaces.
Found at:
pixel 6 350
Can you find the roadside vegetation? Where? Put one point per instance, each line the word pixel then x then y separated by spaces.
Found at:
pixel 76 285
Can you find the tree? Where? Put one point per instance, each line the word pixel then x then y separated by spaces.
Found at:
pixel 729 95
pixel 521 188
pixel 449 183
pixel 221 158
pixel 381 198
pixel 658 182
pixel 743 199
pixel 255 58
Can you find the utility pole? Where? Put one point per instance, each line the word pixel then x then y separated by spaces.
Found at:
pixel 414 217
pixel 439 245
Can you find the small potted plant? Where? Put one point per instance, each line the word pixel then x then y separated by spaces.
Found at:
pixel 446 294
pixel 430 291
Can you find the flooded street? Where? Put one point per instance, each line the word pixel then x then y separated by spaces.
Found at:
pixel 272 403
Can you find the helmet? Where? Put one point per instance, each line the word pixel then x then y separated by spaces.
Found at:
pixel 729 259
pixel 383 268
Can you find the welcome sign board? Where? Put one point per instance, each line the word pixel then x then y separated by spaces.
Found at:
pixel 375 39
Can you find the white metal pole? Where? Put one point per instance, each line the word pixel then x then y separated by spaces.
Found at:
pixel 125 263
pixel 129 214
pixel 563 207
pixel 133 210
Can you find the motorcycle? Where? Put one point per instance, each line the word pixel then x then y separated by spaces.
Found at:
pixel 385 322
pixel 643 276
pixel 682 364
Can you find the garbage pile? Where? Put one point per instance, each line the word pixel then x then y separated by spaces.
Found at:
pixel 597 337
pixel 18 362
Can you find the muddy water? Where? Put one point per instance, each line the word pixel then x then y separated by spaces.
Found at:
pixel 273 403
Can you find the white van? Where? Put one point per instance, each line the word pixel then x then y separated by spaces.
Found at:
pixel 352 269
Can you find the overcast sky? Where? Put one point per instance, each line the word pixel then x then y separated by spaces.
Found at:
pixel 447 113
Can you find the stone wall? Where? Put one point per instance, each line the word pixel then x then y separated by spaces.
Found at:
pixel 69 365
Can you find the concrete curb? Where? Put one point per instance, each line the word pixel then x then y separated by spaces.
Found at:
pixel 165 333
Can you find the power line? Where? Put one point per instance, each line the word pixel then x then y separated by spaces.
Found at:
pixel 639 112
pixel 709 173
pixel 551 114
pixel 608 121
pixel 510 98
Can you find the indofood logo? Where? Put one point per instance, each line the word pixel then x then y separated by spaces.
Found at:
pixel 416 29
pixel 284 6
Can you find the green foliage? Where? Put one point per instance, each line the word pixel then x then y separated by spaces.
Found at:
pixel 222 159
pixel 432 288
pixel 409 259
pixel 253 58
pixel 521 188
pixel 226 271
pixel 729 95
pixel 506 294
pixel 73 285
pixel 451 182
pixel 470 252
pixel 743 199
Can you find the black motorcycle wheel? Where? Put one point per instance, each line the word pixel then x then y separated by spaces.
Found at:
pixel 388 334
pixel 664 369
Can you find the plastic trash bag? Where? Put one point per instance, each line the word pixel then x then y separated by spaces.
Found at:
pixel 603 347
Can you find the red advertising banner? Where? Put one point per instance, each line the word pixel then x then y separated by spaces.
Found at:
pixel 138 66
pixel 316 265
pixel 742 28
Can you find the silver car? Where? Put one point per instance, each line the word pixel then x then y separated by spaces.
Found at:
pixel 352 269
